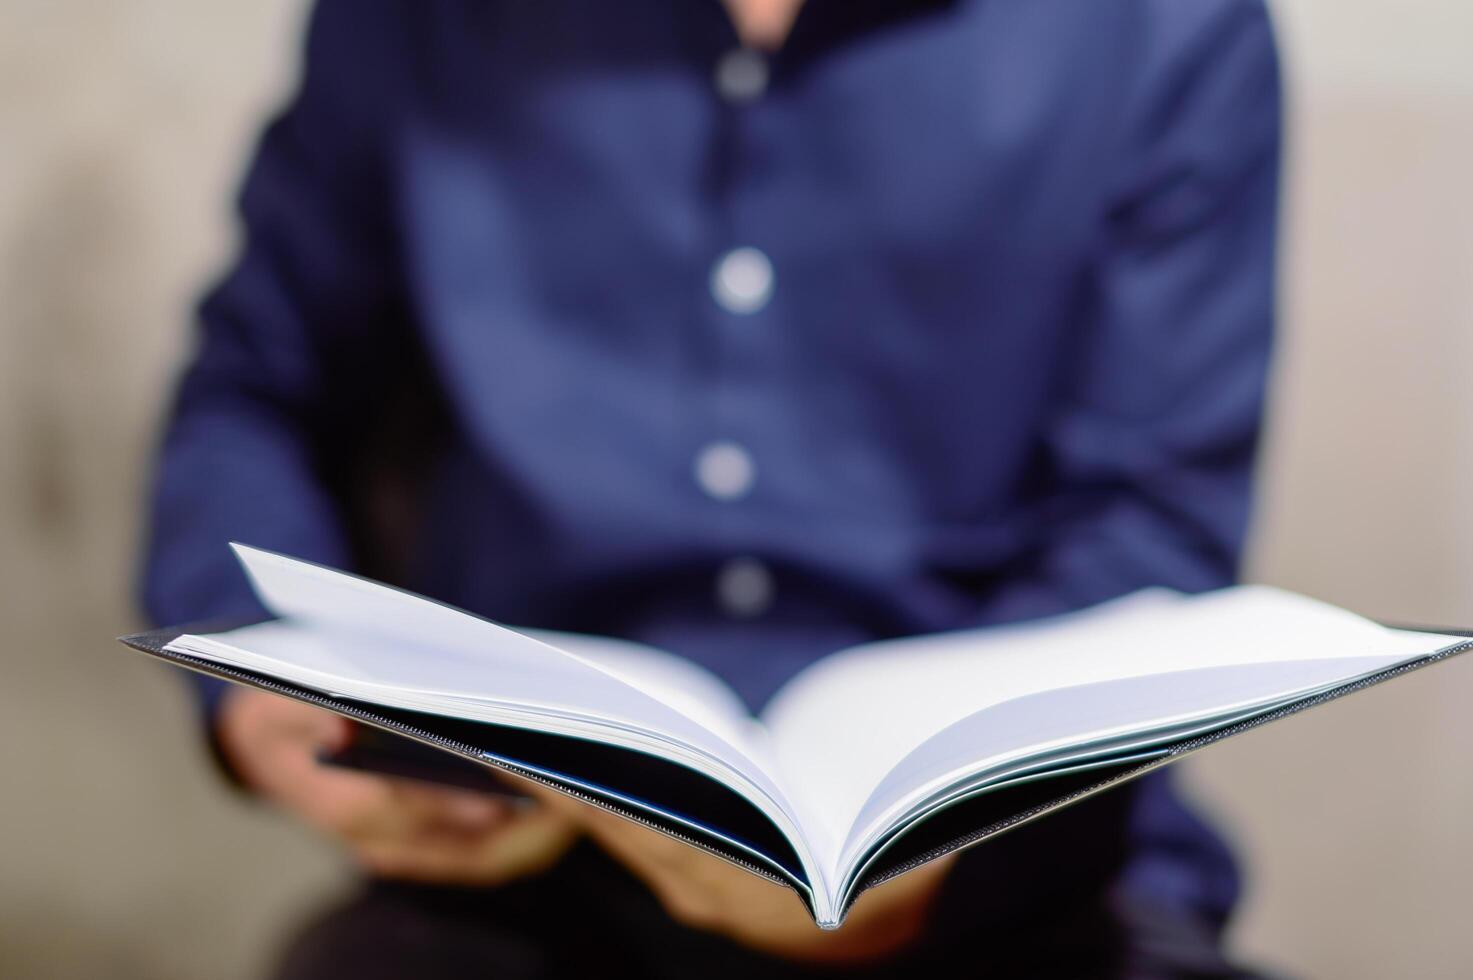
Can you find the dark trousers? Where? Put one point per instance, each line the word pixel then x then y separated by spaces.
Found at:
pixel 588 917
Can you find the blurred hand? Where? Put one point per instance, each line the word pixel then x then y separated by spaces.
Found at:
pixel 702 891
pixel 395 828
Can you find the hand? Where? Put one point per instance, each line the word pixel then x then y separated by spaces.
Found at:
pixel 395 828
pixel 702 891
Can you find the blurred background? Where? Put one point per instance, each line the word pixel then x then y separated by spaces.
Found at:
pixel 122 131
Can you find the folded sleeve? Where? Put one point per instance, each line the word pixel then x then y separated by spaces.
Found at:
pixel 1149 454
pixel 292 346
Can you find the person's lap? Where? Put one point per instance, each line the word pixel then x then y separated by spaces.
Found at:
pixel 588 916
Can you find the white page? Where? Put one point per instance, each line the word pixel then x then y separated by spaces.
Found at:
pixel 848 720
pixel 416 643
pixel 349 636
pixel 1132 712
pixel 678 682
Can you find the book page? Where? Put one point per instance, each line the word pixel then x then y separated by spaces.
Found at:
pixel 351 637
pixel 676 681
pixel 1038 732
pixel 427 645
pixel 848 721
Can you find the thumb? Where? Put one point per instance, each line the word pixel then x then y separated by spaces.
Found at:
pixel 320 728
pixel 548 797
pixel 332 732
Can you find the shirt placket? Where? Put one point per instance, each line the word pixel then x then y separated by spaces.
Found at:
pixel 741 287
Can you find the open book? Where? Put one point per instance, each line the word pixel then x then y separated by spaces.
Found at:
pixel 870 762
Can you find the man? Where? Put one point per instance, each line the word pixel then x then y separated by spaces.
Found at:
pixel 751 331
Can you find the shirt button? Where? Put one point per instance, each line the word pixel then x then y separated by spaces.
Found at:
pixel 741 76
pixel 741 280
pixel 744 588
pixel 725 470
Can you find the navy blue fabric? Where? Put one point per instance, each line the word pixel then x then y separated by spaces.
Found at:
pixel 1012 362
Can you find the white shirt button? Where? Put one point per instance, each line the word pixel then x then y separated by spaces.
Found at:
pixel 741 76
pixel 744 588
pixel 741 280
pixel 725 470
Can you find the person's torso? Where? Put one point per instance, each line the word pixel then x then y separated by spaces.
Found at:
pixel 752 368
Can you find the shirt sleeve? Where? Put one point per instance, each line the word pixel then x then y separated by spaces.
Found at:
pixel 1150 453
pixel 292 344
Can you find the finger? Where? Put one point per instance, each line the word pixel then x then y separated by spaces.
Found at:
pixel 435 808
pixel 362 805
pixel 281 717
pixel 526 845
pixel 332 733
pixel 593 819
pixel 547 798
pixel 670 869
pixel 629 839
pixel 324 730
pixel 343 802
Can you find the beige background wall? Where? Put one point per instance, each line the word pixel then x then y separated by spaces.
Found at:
pixel 121 130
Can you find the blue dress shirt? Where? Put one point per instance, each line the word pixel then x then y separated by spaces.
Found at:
pixel 945 314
